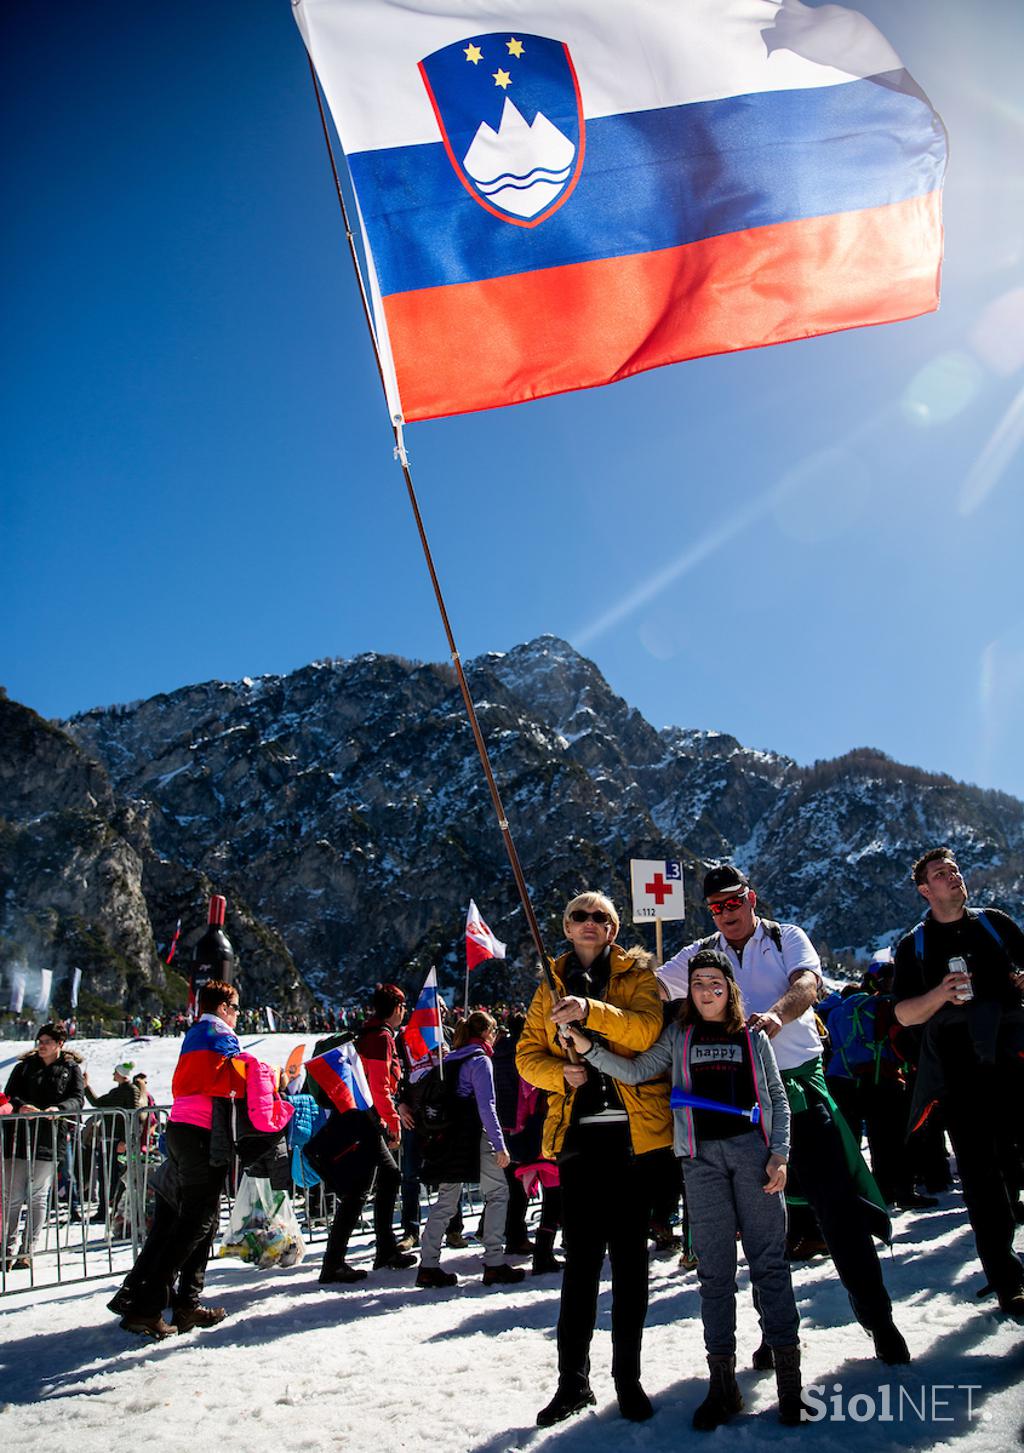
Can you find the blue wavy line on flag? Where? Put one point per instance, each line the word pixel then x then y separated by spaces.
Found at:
pixel 659 179
pixel 514 179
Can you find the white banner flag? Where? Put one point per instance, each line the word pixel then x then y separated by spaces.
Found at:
pixel 17 999
pixel 271 1019
pixel 76 984
pixel 45 985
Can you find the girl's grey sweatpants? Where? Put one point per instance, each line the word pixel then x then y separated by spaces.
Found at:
pixel 725 1194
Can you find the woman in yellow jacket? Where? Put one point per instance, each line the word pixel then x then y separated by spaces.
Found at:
pixel 605 1137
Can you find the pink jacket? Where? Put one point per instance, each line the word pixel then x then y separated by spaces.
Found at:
pixel 263 1103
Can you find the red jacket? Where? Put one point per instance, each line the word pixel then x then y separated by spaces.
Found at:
pixel 379 1054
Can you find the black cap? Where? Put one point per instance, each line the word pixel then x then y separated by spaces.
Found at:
pixel 711 958
pixel 723 880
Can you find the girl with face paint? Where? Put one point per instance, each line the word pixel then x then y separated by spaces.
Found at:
pixel 734 1168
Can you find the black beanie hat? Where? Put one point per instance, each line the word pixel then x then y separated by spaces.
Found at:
pixel 711 958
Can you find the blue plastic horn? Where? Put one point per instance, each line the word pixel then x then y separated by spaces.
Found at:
pixel 683 1100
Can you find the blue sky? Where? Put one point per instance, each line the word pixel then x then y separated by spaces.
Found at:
pixel 813 547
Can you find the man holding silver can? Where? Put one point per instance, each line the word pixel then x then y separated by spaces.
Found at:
pixel 959 978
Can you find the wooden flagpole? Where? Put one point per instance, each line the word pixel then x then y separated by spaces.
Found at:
pixel 402 457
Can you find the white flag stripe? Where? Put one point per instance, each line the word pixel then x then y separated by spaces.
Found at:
pixel 637 57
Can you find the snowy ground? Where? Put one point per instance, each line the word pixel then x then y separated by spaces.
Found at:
pixel 384 1367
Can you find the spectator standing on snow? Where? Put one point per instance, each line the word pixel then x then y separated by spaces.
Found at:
pixel 208 1069
pixel 109 1133
pixel 970 1058
pixel 735 1174
pixel 379 1054
pixel 600 1135
pixel 472 1148
pixel 777 970
pixel 47 1082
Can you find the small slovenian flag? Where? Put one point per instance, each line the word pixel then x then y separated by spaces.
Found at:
pixel 423 1031
pixel 174 942
pixel 481 944
pixel 341 1076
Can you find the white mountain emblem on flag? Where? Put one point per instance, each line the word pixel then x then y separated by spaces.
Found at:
pixel 523 165
pixel 510 113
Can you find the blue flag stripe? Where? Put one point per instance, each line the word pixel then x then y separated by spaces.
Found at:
pixel 662 178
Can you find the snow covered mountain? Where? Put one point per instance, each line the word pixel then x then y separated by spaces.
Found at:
pixel 342 810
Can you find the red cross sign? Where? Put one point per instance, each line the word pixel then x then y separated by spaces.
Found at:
pixel 657 889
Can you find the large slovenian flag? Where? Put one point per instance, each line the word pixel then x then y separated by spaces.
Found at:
pixel 423 1029
pixel 558 195
pixel 340 1074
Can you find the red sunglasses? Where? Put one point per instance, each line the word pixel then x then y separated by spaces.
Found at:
pixel 727 904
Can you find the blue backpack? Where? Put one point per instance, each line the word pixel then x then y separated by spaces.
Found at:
pixel 852 1031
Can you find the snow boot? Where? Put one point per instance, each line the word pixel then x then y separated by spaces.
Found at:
pixel 434 1278
pixel 394 1260
pixel 787 1381
pixel 665 1240
pixel 502 1275
pixel 186 1318
pixel 154 1327
pixel 634 1403
pixel 335 1270
pixel 544 1258
pixel 121 1302
pixel 723 1397
pixel 763 1359
pixel 889 1344
pixel 566 1403
pixel 341 1274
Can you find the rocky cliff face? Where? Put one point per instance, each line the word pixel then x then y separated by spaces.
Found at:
pixel 342 811
pixel 71 864
pixel 82 887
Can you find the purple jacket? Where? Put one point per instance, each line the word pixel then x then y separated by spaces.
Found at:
pixel 476 1077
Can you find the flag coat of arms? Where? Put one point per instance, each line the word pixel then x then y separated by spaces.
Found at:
pixel 340 1074
pixel 481 943
pixel 557 195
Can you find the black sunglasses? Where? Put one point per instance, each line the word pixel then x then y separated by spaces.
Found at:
pixel 581 915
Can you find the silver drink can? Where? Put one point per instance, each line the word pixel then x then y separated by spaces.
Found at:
pixel 966 993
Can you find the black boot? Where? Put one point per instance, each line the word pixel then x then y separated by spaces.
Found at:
pixel 723 1397
pixel 544 1258
pixel 567 1401
pixel 763 1359
pixel 634 1403
pixel 890 1346
pixel 787 1381
pixel 341 1275
pixel 335 1268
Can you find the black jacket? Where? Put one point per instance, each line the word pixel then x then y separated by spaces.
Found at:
pixel 260 1152
pixel 34 1083
pixel 987 1030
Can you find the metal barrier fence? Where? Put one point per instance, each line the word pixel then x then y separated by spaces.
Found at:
pixel 76 1195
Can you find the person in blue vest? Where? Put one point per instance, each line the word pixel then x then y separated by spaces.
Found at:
pixel 959 980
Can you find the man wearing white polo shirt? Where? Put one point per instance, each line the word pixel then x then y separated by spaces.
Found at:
pixel 778 972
